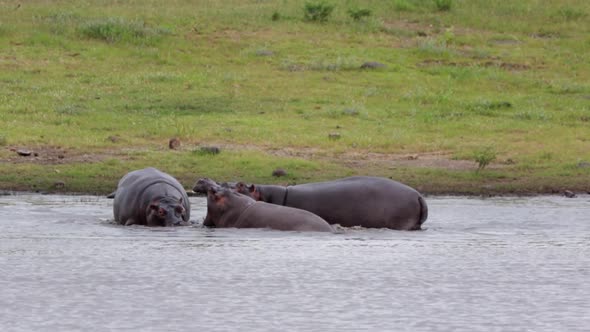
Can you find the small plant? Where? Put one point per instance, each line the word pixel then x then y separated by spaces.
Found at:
pixel 275 16
pixel 207 150
pixel 358 14
pixel 403 6
pixel 317 11
pixel 443 5
pixel 570 14
pixel 488 108
pixel 546 156
pixel 62 23
pixel 112 30
pixel 484 157
pixel 448 37
pixel 3 140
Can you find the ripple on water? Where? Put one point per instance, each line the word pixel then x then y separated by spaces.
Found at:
pixel 517 264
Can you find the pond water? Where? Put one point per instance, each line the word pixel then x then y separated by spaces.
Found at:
pixel 496 264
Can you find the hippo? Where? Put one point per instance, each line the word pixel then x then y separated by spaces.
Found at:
pixel 228 208
pixel 152 198
pixel 371 202
pixel 203 184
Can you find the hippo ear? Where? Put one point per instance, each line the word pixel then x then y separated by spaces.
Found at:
pixel 252 188
pixel 240 187
pixel 214 193
pixel 211 191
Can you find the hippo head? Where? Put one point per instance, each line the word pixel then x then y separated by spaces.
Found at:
pixel 166 212
pixel 249 190
pixel 220 201
pixel 203 185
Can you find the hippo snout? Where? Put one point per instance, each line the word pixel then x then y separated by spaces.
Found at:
pixel 176 222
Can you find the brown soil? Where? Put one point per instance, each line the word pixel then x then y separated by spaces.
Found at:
pixel 51 155
pixel 363 159
pixel 488 63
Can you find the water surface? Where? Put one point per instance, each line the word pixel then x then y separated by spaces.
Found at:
pixel 498 264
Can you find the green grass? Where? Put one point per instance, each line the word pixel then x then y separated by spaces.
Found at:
pixel 480 73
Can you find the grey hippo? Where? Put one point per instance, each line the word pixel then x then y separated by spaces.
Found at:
pixel 228 208
pixel 365 201
pixel 203 184
pixel 152 198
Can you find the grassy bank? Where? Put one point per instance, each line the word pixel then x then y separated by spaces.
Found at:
pixel 97 88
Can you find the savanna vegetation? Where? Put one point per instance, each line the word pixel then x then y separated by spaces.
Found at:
pixel 461 96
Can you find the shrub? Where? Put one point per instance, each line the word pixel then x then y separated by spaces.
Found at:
pixel 207 150
pixel 358 14
pixel 484 156
pixel 443 5
pixel 403 6
pixel 488 108
pixel 114 30
pixel 570 14
pixel 3 29
pixel 275 16
pixel 317 11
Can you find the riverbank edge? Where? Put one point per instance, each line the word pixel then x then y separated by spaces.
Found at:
pixel 101 178
pixel 571 192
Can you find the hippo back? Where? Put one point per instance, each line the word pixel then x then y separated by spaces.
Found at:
pixel 367 201
pixel 267 215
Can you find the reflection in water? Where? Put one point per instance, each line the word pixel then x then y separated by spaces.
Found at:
pixel 518 264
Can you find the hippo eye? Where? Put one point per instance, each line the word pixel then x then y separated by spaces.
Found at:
pixel 162 212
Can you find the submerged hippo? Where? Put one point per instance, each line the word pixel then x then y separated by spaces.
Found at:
pixel 152 198
pixel 203 184
pixel 227 208
pixel 355 201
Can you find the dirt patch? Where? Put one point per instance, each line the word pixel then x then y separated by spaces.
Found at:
pixel 52 155
pixel 411 28
pixel 505 41
pixel 507 66
pixel 367 159
pixel 439 160
pixel 364 159
pixel 236 36
pixel 495 63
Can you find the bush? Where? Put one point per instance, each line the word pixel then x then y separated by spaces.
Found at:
pixel 317 12
pixel 275 16
pixel 207 150
pixel 443 5
pixel 570 14
pixel 484 157
pixel 403 6
pixel 358 14
pixel 114 30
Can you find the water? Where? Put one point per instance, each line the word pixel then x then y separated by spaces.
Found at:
pixel 499 264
